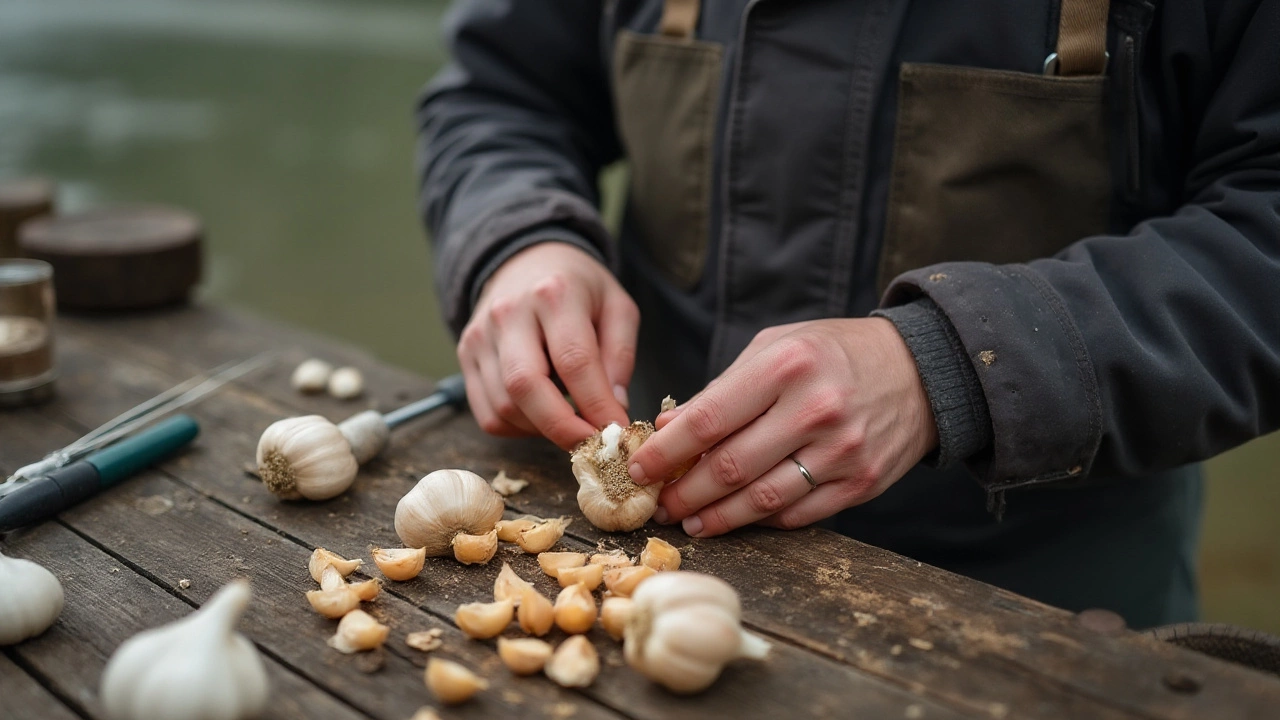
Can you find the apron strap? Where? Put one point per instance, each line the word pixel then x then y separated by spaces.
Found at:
pixel 1082 38
pixel 679 18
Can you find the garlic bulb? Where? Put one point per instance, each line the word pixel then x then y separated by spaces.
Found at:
pixel 684 627
pixel 197 668
pixel 310 457
pixel 311 376
pixel 444 504
pixel 606 494
pixel 574 664
pixel 346 383
pixel 30 599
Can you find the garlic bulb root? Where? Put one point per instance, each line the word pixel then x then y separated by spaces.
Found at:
pixel 366 433
pixel 524 656
pixel 357 632
pixel 542 536
pixel 475 549
pixel 606 494
pixel 575 663
pixel 305 457
pixel 31 599
pixel 399 563
pixel 444 504
pixel 452 683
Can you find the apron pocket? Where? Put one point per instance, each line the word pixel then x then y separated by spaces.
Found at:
pixel 993 166
pixel 666 92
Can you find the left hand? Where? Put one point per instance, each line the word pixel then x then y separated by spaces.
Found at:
pixel 842 396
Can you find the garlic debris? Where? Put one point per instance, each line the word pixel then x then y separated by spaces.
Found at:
pixel 197 668
pixel 321 558
pixel 624 581
pixel 346 383
pixel 400 563
pixel 614 613
pixel 542 536
pixel 30 599
pixel 509 585
pixel 575 609
pixel 588 575
pixel 310 457
pixel 444 504
pixel 684 627
pixel 553 562
pixel 331 579
pixel 507 486
pixel 367 590
pixel 425 640
pixel 536 613
pixel 484 620
pixel 660 555
pixel 335 603
pixel 452 683
pixel 508 530
pixel 611 560
pixel 668 403
pixel 312 376
pixel 606 493
pixel 475 549
pixel 524 656
pixel 358 631
pixel 575 663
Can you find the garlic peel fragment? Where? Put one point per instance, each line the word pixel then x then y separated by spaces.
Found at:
pixel 321 558
pixel 358 632
pixel 31 599
pixel 442 505
pixel 507 486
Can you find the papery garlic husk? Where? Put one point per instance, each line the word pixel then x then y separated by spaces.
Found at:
pixel 358 632
pixel 425 640
pixel 606 493
pixel 31 599
pixel 311 376
pixel 543 536
pixel 611 560
pixel 333 604
pixel 484 620
pixel 400 563
pixel 444 504
pixel 524 656
pixel 575 609
pixel 660 555
pixel 509 585
pixel 508 530
pixel 475 549
pixel 452 683
pixel 614 613
pixel 366 590
pixel 310 457
pixel 346 383
pixel 624 581
pixel 507 486
pixel 552 562
pixel 197 668
pixel 684 627
pixel 575 663
pixel 588 575
pixel 321 557
pixel 536 614
pixel 331 579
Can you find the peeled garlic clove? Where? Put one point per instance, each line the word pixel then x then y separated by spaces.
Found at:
pixel 31 599
pixel 552 562
pixel 367 590
pixel 524 656
pixel 509 529
pixel 509 585
pixel 542 536
pixel 660 555
pixel 305 457
pixel 452 683
pixel 484 620
pixel 574 664
pixel 588 575
pixel 536 613
pixel 444 504
pixel 475 549
pixel 358 631
pixel 333 604
pixel 611 560
pixel 624 581
pixel 614 613
pixel 312 376
pixel 346 383
pixel 606 493
pixel 321 557
pixel 508 486
pixel 400 563
pixel 575 609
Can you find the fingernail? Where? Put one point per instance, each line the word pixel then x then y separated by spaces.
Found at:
pixel 661 516
pixel 620 393
pixel 692 525
pixel 637 473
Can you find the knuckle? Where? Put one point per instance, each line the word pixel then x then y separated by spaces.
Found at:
pixel 551 289
pixel 789 521
pixel 848 443
pixel 506 409
pixel 823 410
pixel 519 382
pixel 765 499
pixel 705 420
pixel 491 424
pixel 798 362
pixel 573 360
pixel 726 470
pixel 502 309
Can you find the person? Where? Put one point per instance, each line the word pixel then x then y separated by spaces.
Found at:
pixel 883 250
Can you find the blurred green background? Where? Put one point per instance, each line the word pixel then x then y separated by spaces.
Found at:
pixel 286 125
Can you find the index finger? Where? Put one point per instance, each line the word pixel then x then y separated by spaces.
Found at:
pixel 525 375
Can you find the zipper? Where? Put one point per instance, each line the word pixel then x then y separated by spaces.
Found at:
pixel 1133 137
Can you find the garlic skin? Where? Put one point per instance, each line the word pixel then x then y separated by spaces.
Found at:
pixel 507 486
pixel 31 599
pixel 606 493
pixel 305 457
pixel 357 632
pixel 321 558
pixel 312 376
pixel 346 383
pixel 400 563
pixel 451 683
pixel 196 668
pixel 684 627
pixel 444 504
pixel 574 664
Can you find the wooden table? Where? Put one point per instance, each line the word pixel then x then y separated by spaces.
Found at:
pixel 858 632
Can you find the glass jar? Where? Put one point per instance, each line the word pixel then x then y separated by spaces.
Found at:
pixel 26 332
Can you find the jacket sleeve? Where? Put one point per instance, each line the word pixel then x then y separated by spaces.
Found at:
pixel 1130 354
pixel 513 133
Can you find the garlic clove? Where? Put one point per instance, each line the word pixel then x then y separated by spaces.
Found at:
pixel 668 404
pixel 606 494
pixel 588 575
pixel 333 604
pixel 346 383
pixel 358 631
pixel 321 557
pixel 444 504
pixel 31 599
pixel 475 549
pixel 552 562
pixel 509 585
pixel 660 555
pixel 484 620
pixel 611 560
pixel 524 656
pixel 624 581
pixel 575 663
pixel 614 613
pixel 543 536
pixel 311 376
pixel 507 486
pixel 536 613
pixel 400 563
pixel 451 683
pixel 509 529
pixel 305 457
pixel 426 713
pixel 331 579
pixel 575 609
pixel 425 640
pixel 367 590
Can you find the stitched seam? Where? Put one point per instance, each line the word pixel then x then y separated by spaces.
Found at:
pixel 899 194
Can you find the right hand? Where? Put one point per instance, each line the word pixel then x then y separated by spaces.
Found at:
pixel 550 307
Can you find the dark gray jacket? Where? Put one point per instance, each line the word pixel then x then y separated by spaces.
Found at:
pixel 1092 282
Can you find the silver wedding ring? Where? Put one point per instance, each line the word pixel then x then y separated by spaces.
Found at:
pixel 805 472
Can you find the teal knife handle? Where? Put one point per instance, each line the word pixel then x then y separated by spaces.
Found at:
pixel 134 454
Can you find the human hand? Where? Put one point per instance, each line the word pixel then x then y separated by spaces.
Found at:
pixel 842 396
pixel 550 306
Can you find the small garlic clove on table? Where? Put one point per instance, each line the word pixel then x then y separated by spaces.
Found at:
pixel 523 656
pixel 614 613
pixel 475 549
pixel 358 632
pixel 508 530
pixel 333 604
pixel 536 613
pixel 311 376
pixel 575 609
pixel 624 581
pixel 484 620
pixel 509 585
pixel 400 563
pixel 451 683
pixel 346 383
pixel 31 599
pixel 543 536
pixel 588 575
pixel 553 562
pixel 575 663
pixel 320 558
pixel 660 555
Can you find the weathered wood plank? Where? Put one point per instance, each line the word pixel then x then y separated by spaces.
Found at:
pixel 22 698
